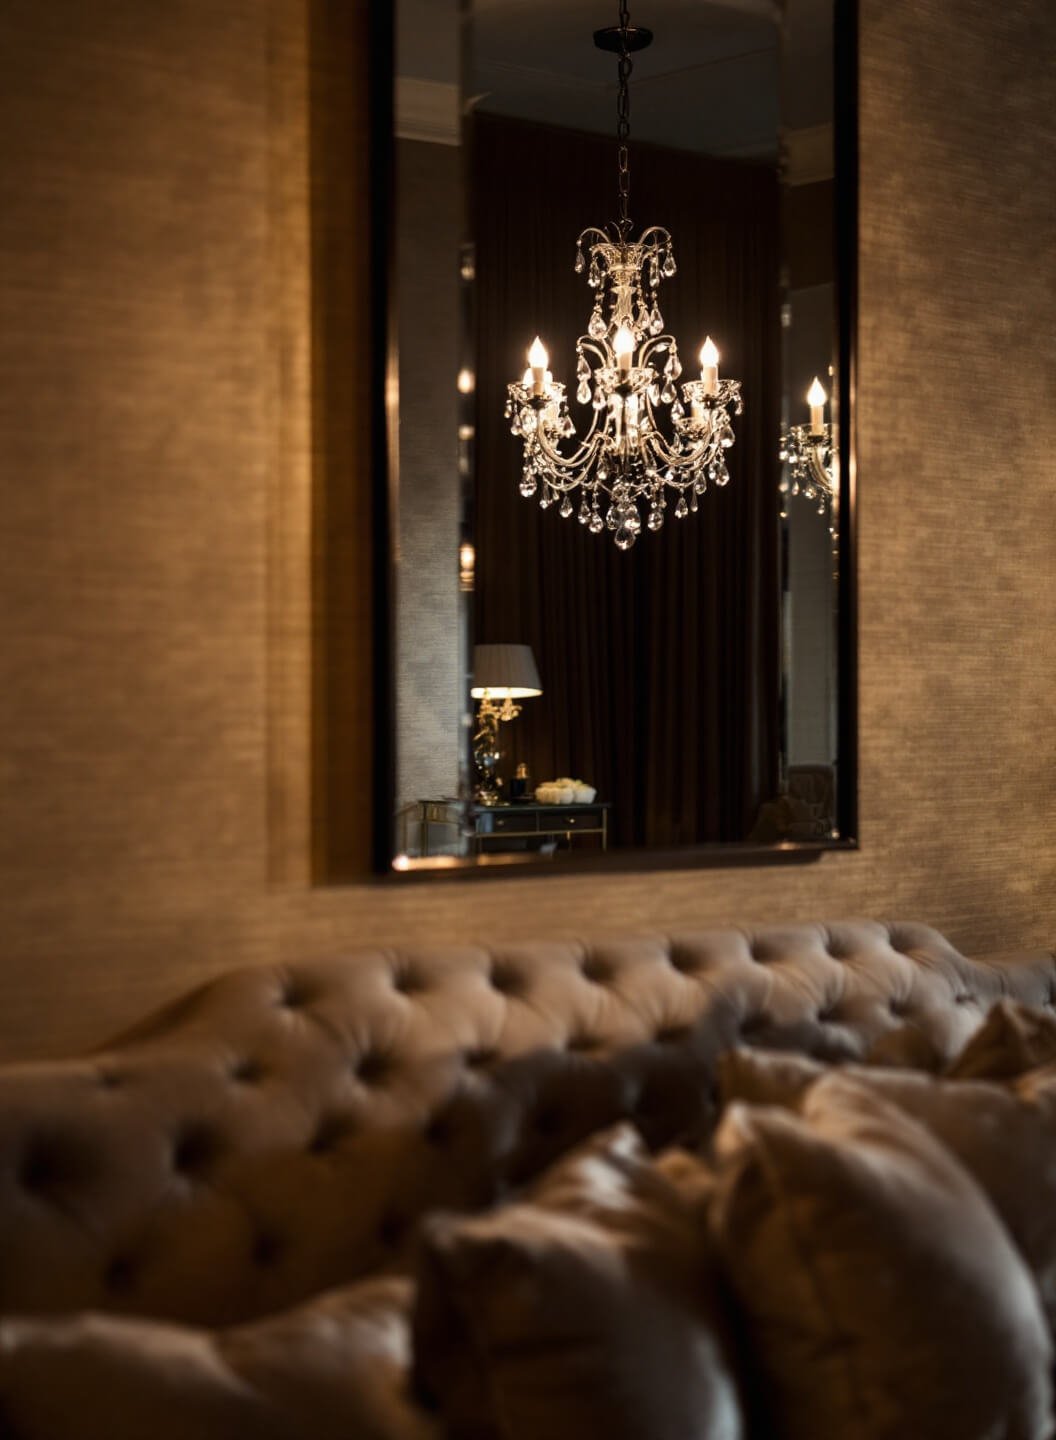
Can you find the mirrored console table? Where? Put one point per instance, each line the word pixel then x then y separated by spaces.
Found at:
pixel 433 827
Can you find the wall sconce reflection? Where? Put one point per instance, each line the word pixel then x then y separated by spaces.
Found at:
pixel 809 452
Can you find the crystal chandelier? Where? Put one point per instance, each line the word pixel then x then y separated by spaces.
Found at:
pixel 809 452
pixel 627 465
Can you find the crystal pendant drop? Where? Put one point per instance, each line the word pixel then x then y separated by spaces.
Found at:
pixel 722 475
pixel 596 328
pixel 528 486
pixel 583 393
pixel 597 524
pixel 584 513
pixel 566 508
pixel 681 509
pixel 656 519
pixel 625 537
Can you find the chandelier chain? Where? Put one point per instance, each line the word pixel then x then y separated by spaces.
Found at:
pixel 623 123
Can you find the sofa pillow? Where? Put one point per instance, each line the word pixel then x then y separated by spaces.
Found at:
pixel 589 1311
pixel 882 1295
pixel 1012 1039
pixel 1004 1136
pixel 335 1368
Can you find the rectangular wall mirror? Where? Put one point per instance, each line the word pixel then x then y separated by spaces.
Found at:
pixel 621 481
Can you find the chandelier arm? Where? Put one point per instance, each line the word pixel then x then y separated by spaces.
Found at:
pixel 663 236
pixel 658 342
pixel 582 455
pixel 587 342
pixel 603 238
pixel 822 477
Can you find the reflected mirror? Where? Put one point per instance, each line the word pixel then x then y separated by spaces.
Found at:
pixel 623 542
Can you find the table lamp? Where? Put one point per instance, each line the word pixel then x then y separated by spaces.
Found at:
pixel 501 675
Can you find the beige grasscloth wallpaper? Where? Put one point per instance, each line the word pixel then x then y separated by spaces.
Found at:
pixel 156 383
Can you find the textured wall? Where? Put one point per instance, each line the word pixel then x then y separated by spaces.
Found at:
pixel 155 390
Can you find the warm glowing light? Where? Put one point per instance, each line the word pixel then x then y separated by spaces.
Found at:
pixel 709 356
pixel 527 380
pixel 623 344
pixel 816 394
pixel 466 382
pixel 537 356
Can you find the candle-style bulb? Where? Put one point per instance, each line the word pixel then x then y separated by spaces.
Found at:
pixel 537 358
pixel 527 379
pixel 623 345
pixel 816 398
pixel 709 367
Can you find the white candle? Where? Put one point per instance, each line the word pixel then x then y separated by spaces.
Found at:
pixel 537 361
pixel 816 398
pixel 709 367
pixel 623 345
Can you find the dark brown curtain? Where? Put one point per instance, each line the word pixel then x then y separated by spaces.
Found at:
pixel 660 665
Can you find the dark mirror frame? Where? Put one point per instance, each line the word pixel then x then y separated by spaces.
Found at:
pixel 384 403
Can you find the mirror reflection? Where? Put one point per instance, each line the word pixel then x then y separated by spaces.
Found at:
pixel 619 488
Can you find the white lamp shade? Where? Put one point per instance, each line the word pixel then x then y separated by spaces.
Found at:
pixel 505 670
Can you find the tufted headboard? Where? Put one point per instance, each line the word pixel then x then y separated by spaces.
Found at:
pixel 280 1130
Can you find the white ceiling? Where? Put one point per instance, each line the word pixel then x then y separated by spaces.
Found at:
pixel 709 82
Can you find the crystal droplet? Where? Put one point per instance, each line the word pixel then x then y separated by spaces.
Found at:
pixel 596 327
pixel 597 524
pixel 722 475
pixel 667 394
pixel 625 537
pixel 681 509
pixel 693 505
pixel 669 266
pixel 583 393
pixel 528 486
pixel 656 324
pixel 582 368
pixel 700 484
pixel 599 399
pixel 584 513
pixel 580 262
pixel 611 518
pixel 656 518
pixel 566 508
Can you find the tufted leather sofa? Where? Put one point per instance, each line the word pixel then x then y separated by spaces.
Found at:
pixel 279 1131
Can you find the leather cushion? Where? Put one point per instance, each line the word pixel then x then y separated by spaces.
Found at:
pixel 1012 1039
pixel 334 1369
pixel 883 1296
pixel 588 1313
pixel 1004 1136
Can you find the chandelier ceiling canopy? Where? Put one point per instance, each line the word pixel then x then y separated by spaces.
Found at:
pixel 633 457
